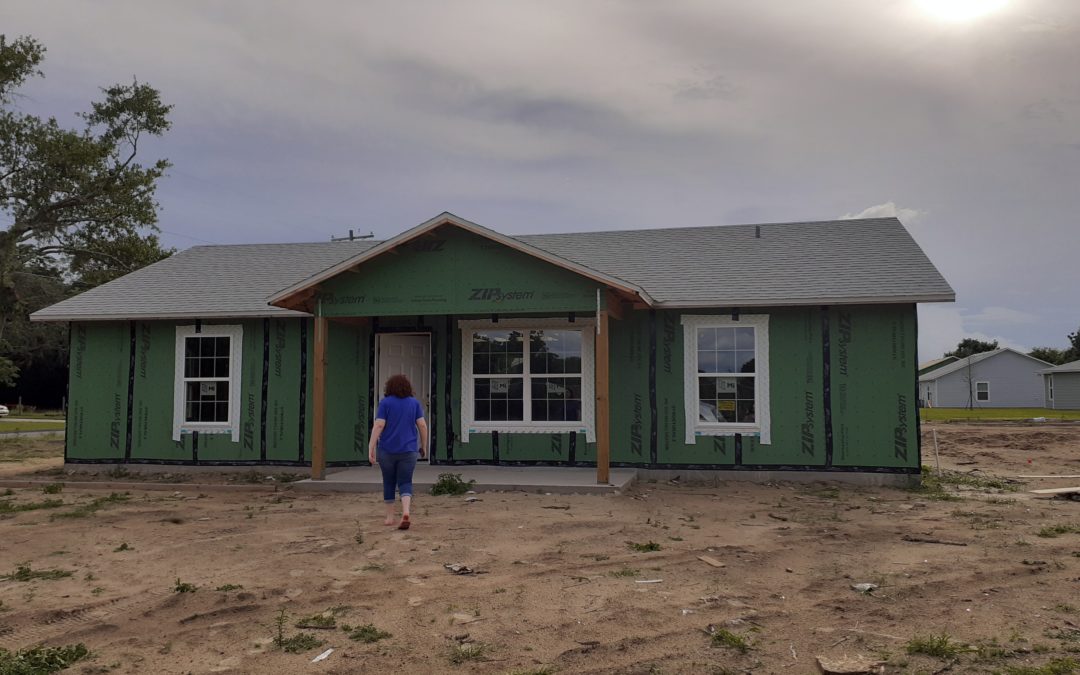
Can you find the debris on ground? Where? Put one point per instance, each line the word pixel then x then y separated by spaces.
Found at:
pixel 865 587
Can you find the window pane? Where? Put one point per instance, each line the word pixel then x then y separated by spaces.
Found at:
pixel 499 410
pixel 573 388
pixel 744 338
pixel 539 410
pixel 744 389
pixel 725 362
pixel 707 387
pixel 556 411
pixel 726 399
pixel 516 410
pixel 221 346
pixel 744 362
pixel 706 362
pixel 725 338
pixel 481 364
pixel 745 412
pixel 221 367
pixel 191 347
pixel 706 339
pixel 191 367
pixel 482 411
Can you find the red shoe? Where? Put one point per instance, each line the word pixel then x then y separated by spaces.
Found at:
pixel 404 524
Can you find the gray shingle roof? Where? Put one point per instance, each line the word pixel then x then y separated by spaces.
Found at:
pixel 832 262
pixel 1070 367
pixel 972 360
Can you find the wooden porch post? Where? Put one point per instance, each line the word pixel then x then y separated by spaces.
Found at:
pixel 318 402
pixel 603 400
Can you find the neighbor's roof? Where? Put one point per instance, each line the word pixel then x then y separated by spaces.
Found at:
pixel 1070 367
pixel 972 360
pixel 871 260
pixel 937 362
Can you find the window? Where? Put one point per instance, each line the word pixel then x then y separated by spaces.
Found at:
pixel 1050 383
pixel 726 376
pixel 527 376
pixel 206 392
pixel 982 391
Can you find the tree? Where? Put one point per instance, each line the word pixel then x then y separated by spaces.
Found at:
pixel 1073 352
pixel 1050 355
pixel 969 346
pixel 75 202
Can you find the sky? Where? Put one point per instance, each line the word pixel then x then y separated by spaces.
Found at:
pixel 300 121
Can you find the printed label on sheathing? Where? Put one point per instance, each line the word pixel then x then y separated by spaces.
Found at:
pixel 667 342
pixel 114 426
pixel 80 349
pixel 808 424
pixel 249 422
pixel 500 295
pixel 844 338
pixel 280 339
pixel 718 446
pixel 556 445
pixel 637 424
pixel 900 433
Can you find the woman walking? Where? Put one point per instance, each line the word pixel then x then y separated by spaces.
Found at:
pixel 400 435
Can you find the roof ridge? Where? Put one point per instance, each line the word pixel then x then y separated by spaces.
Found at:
pixel 714 227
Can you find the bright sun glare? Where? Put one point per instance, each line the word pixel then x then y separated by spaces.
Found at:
pixel 961 10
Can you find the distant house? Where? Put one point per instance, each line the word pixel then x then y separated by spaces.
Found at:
pixel 926 366
pixel 1061 386
pixel 1003 378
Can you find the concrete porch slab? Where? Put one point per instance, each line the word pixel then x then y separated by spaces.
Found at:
pixel 554 479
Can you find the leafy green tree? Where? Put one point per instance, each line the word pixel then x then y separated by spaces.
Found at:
pixel 1073 352
pixel 969 346
pixel 1050 355
pixel 74 202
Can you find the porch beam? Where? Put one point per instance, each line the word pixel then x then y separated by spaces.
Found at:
pixel 615 306
pixel 318 401
pixel 603 400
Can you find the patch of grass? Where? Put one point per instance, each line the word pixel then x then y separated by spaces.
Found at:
pixel 1066 608
pixel 122 547
pixel 42 425
pixel 301 642
pixel 184 587
pixel 451 484
pixel 643 548
pixel 373 567
pixel 1055 667
pixel 320 621
pixel 23 572
pixel 225 588
pixel 53 488
pixel 93 506
pixel 11 507
pixel 41 660
pixel 941 646
pixel 725 638
pixel 624 572
pixel 22 449
pixel 470 651
pixel 962 414
pixel 1051 531
pixel 367 633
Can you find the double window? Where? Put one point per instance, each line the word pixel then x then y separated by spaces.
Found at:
pixel 206 390
pixel 726 376
pixel 527 376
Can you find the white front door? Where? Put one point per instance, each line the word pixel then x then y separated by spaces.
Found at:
pixel 408 354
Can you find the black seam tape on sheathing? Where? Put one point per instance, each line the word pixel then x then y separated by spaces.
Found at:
pixel 495 446
pixel 303 385
pixel 653 440
pixel 572 451
pixel 738 449
pixel 372 375
pixel 67 400
pixel 494 318
pixel 198 325
pixel 449 414
pixel 734 313
pixel 433 396
pixel 130 395
pixel 826 384
pixel 265 388
pixel 918 417
pixel 195 446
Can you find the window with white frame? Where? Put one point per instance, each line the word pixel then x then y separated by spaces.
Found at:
pixel 982 391
pixel 726 376
pixel 527 376
pixel 207 380
pixel 1050 383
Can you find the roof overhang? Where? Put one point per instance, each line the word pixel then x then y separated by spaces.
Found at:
pixel 269 312
pixel 794 302
pixel 291 297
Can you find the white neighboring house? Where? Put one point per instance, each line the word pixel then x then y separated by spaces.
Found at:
pixel 1003 378
pixel 1062 386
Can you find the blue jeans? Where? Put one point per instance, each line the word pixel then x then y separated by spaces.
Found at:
pixel 397 470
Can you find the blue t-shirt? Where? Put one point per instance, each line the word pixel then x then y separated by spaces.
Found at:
pixel 400 434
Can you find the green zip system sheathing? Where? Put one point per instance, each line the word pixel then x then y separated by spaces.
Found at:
pixel 841 394
pixel 455 272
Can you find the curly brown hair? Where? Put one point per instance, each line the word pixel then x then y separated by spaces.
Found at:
pixel 398 385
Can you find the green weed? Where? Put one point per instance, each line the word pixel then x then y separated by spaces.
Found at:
pixel 1051 531
pixel 184 587
pixel 122 547
pixel 472 651
pixel 624 572
pixel 725 638
pixel 367 633
pixel 1055 667
pixel 225 588
pixel 92 507
pixel 451 484
pixel 41 660
pixel 321 621
pixel 23 572
pixel 53 488
pixel 941 646
pixel 643 548
pixel 11 507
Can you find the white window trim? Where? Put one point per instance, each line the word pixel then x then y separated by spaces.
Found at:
pixel 696 428
pixel 1050 377
pixel 587 425
pixel 982 400
pixel 235 333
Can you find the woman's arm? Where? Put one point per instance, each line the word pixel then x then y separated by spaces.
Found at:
pixel 421 425
pixel 376 431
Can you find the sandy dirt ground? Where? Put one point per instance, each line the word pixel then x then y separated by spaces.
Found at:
pixel 557 586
